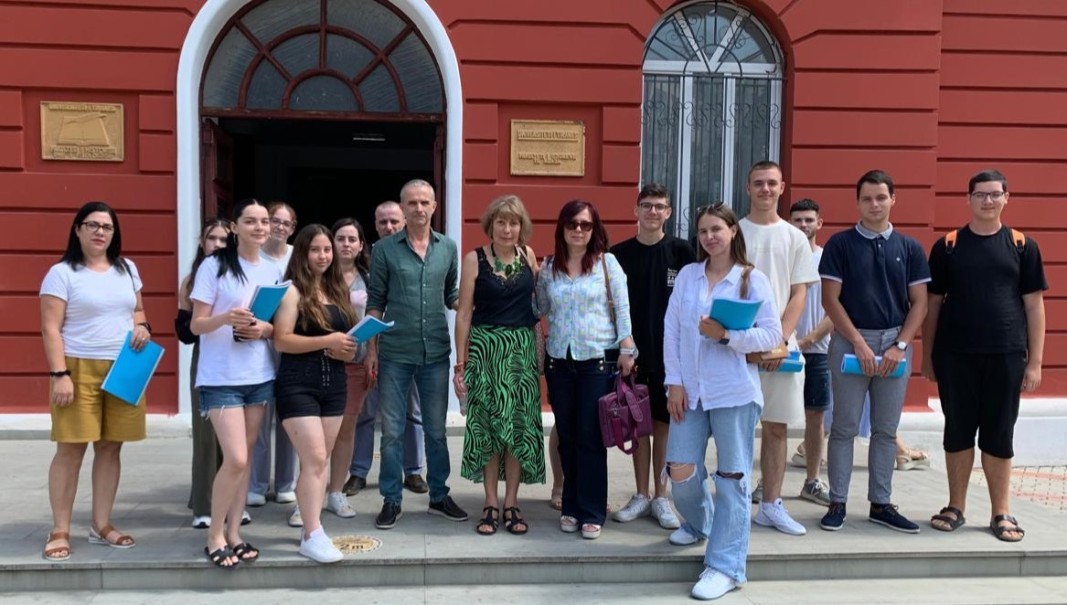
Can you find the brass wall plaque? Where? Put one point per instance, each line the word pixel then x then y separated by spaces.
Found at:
pixel 547 147
pixel 88 132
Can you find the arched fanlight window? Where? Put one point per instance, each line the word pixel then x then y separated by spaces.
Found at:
pixel 712 105
pixel 348 56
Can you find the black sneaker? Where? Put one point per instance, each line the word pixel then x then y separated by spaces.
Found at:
pixel 353 485
pixel 887 515
pixel 448 509
pixel 834 519
pixel 389 516
pixel 416 484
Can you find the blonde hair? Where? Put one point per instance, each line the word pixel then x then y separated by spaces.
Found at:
pixel 508 207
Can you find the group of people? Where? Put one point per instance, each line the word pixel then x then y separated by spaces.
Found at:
pixel 640 307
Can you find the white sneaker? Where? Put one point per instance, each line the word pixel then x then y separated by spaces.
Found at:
pixel 338 504
pixel 296 519
pixel 202 522
pixel 757 494
pixel 773 514
pixel 681 537
pixel 254 499
pixel 663 512
pixel 638 506
pixel 285 497
pixel 712 585
pixel 321 549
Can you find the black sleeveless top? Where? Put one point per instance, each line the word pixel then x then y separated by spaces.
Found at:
pixel 337 324
pixel 500 301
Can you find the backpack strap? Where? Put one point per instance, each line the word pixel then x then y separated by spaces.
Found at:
pixel 950 240
pixel 1019 239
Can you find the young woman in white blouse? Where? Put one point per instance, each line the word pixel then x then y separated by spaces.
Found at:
pixel 714 392
pixel 236 372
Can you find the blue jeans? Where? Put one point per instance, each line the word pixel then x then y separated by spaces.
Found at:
pixel 414 451
pixel 573 390
pixel 395 380
pixel 724 521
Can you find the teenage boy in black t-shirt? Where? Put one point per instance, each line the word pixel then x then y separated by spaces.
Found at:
pixel 984 341
pixel 651 261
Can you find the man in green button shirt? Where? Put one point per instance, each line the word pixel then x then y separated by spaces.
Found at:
pixel 413 281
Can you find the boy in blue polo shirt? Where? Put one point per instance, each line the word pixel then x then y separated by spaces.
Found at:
pixel 874 290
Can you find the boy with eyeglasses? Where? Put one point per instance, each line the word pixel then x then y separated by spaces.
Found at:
pixel 984 338
pixel 651 261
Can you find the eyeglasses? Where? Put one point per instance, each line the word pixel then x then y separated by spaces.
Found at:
pixel 579 226
pixel 277 222
pixel 711 206
pixel 981 196
pixel 649 207
pixel 94 226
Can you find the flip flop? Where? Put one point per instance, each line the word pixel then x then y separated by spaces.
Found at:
pixel 220 555
pixel 999 530
pixel 244 548
pixel 954 522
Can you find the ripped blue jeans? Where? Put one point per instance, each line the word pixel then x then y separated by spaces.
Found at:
pixel 724 520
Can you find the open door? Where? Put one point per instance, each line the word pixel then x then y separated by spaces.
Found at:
pixel 216 170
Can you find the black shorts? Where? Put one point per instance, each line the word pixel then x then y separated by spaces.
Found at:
pixel 980 395
pixel 657 394
pixel 304 389
pixel 816 382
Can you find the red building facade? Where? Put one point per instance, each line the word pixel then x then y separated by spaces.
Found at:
pixel 331 104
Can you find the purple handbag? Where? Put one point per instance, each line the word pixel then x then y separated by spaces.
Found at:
pixel 625 414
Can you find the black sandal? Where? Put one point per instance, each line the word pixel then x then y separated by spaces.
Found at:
pixel 219 557
pixel 244 548
pixel 488 521
pixel 953 523
pixel 999 530
pixel 512 519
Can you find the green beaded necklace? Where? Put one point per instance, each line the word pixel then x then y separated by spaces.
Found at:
pixel 509 269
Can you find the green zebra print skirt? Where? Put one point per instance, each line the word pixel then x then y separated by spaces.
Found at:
pixel 503 403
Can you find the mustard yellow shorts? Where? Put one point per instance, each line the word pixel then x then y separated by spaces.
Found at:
pixel 95 415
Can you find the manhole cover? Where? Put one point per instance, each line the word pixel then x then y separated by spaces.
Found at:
pixel 356 544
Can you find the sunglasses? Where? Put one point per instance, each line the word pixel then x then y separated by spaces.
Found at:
pixel 579 226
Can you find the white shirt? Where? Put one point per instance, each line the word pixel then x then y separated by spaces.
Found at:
pixel 99 311
pixel 813 312
pixel 283 262
pixel 782 253
pixel 715 375
pixel 224 362
pixel 577 309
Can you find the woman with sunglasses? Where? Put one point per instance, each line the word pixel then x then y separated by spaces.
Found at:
pixel 713 392
pixel 587 340
pixel 235 375
pixel 90 302
pixel 205 446
pixel 352 256
pixel 278 251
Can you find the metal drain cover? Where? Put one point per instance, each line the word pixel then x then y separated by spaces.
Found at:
pixel 356 544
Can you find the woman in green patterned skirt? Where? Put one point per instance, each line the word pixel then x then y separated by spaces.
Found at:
pixel 496 369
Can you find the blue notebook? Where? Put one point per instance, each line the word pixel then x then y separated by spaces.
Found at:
pixel 368 328
pixel 851 365
pixel 791 364
pixel 266 299
pixel 734 314
pixel 132 370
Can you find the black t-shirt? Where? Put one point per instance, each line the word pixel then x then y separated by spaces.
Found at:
pixel 650 273
pixel 983 280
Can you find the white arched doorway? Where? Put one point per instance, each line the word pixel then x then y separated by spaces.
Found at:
pixel 209 23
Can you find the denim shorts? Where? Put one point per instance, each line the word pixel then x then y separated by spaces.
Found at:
pixel 816 381
pixel 235 396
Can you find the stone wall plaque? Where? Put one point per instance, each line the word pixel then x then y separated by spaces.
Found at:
pixel 87 132
pixel 547 148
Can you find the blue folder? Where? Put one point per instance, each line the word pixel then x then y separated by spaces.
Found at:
pixel 132 370
pixel 791 364
pixel 368 328
pixel 734 314
pixel 851 365
pixel 266 299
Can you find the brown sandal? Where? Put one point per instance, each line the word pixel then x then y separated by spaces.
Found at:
pixel 101 537
pixel 52 554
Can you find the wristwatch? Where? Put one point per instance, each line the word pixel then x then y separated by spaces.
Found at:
pixel 724 341
pixel 900 344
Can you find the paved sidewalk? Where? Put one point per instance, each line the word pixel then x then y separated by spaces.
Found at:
pixel 1045 485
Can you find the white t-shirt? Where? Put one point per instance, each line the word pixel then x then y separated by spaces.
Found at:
pixel 782 253
pixel 283 262
pixel 224 362
pixel 99 308
pixel 813 312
